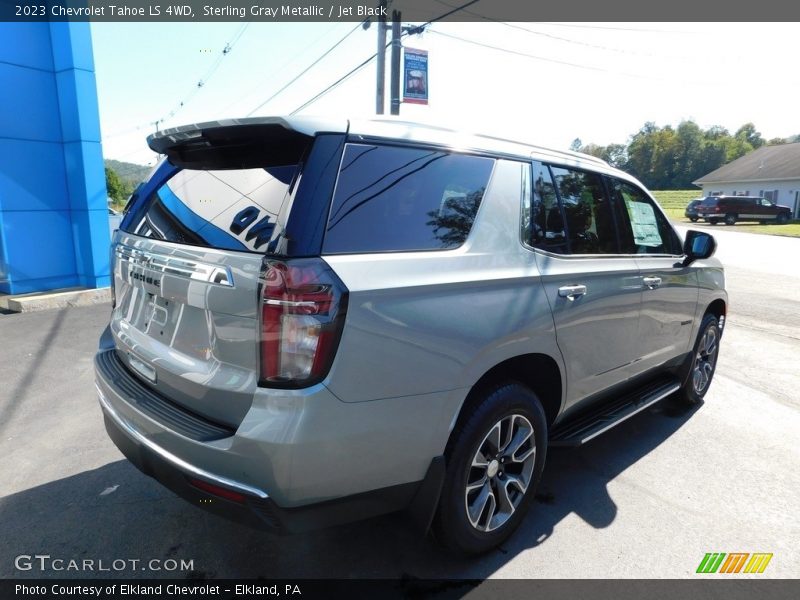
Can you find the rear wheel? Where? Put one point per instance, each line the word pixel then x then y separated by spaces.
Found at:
pixel 730 219
pixel 704 361
pixel 713 221
pixel 495 459
pixel 693 219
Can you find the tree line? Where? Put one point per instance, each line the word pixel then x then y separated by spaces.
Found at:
pixel 122 178
pixel 667 158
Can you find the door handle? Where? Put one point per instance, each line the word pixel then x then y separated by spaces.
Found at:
pixel 570 292
pixel 651 282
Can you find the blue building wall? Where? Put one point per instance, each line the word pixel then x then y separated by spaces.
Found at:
pixel 53 211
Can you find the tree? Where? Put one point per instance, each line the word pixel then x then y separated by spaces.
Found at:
pixel 747 133
pixel 115 187
pixel 665 158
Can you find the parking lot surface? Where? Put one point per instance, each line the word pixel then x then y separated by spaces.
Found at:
pixel 648 499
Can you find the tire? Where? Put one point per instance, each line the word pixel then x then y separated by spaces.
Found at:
pixel 782 219
pixel 730 219
pixel 713 221
pixel 474 521
pixel 703 363
pixel 693 219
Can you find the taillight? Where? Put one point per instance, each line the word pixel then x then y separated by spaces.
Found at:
pixel 716 209
pixel 303 306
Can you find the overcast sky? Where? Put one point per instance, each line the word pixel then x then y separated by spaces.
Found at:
pixel 550 84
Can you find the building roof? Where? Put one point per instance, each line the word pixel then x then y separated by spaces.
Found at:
pixel 768 163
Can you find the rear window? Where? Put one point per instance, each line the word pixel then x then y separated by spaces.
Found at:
pixel 225 209
pixel 391 198
pixel 710 201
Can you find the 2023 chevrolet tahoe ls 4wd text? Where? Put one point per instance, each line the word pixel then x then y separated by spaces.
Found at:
pixel 317 322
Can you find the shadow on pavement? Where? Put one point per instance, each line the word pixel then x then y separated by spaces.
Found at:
pixel 115 512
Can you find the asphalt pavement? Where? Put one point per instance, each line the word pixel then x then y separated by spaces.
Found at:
pixel 648 499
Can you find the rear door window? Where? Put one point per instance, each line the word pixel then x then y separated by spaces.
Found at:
pixel 391 198
pixel 224 209
pixel 586 210
pixel 547 223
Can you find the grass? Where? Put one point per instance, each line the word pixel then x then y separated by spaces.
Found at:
pixel 674 203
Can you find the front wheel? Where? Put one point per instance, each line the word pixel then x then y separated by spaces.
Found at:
pixel 495 459
pixel 704 361
pixel 782 219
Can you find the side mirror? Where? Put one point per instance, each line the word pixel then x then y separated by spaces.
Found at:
pixel 698 245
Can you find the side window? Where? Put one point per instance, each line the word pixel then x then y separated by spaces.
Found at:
pixel 547 229
pixel 643 229
pixel 393 199
pixel 586 210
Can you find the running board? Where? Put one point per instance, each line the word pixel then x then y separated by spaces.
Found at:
pixel 587 427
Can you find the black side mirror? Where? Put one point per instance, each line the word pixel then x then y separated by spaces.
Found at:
pixel 698 245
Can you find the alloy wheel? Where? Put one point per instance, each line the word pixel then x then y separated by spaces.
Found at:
pixel 500 473
pixel 705 360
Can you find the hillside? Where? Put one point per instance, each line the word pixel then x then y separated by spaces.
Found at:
pixel 130 173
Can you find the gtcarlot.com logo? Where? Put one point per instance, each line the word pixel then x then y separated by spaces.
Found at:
pixel 45 562
pixel 734 562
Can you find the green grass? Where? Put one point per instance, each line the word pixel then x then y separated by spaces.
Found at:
pixel 790 229
pixel 674 203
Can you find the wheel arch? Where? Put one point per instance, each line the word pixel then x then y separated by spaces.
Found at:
pixel 540 372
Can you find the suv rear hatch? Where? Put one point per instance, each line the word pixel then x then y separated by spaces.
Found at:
pixel 189 256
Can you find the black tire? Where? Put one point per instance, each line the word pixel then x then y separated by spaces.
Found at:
pixel 693 390
pixel 452 527
pixel 693 219
pixel 730 219
pixel 782 219
pixel 713 221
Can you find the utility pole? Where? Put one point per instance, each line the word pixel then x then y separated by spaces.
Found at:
pixel 395 84
pixel 379 91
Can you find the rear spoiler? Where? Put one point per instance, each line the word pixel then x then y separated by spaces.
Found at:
pixel 240 143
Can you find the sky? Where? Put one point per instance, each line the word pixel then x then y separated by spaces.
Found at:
pixel 541 83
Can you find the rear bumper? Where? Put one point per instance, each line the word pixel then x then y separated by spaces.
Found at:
pixel 248 494
pixel 256 509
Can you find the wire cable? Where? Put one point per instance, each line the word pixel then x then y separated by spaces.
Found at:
pixel 307 69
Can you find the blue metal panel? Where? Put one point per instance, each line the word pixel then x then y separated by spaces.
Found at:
pixel 35 244
pixel 83 162
pixel 32 176
pixel 90 231
pixel 28 104
pixel 53 214
pixel 77 98
pixel 26 44
pixel 72 46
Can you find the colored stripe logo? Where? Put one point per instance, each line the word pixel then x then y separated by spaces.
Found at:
pixel 735 562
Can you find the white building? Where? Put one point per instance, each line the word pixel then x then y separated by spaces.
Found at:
pixel 772 172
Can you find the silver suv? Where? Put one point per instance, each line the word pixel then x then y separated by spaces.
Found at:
pixel 321 321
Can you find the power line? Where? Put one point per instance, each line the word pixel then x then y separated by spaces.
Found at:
pixel 542 58
pixel 307 69
pixel 272 73
pixel 455 10
pixel 201 83
pixel 335 84
pixel 363 64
